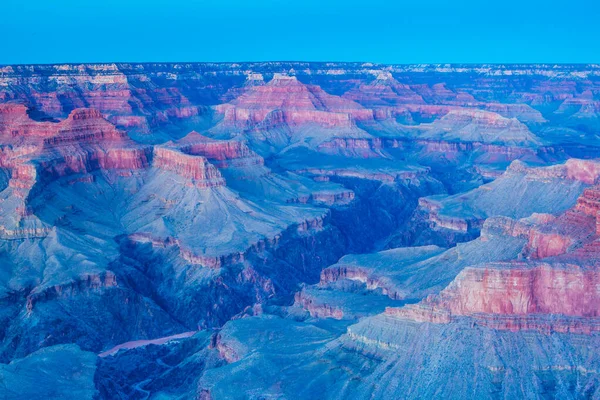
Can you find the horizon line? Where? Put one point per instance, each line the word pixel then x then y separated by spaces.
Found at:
pixel 307 62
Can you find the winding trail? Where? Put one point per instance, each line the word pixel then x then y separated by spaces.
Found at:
pixel 139 343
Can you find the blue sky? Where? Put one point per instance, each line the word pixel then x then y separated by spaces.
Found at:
pixel 401 31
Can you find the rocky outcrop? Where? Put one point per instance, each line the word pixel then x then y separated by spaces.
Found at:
pixel 333 197
pixel 522 289
pixel 511 152
pixel 83 125
pixel 383 91
pixel 586 171
pixel 582 107
pixel 505 195
pixel 82 143
pixel 472 125
pixel 560 295
pixel 363 275
pixel 315 308
pixel 16 124
pixel 357 147
pixel 85 283
pixel 515 296
pixel 221 153
pixel 458 224
pixel 296 103
pixel 196 168
pixel 197 258
pixel 522 112
pixel 589 202
pixel 89 160
pixel 384 176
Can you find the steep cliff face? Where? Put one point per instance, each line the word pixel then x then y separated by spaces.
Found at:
pixel 384 90
pixel 558 295
pixel 196 168
pixel 285 112
pixel 516 296
pixel 481 126
pixel 84 133
pixel 518 193
pixel 298 102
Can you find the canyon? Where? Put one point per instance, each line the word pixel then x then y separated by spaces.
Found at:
pixel 299 230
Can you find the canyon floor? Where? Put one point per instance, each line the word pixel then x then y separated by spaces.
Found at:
pixel 299 230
